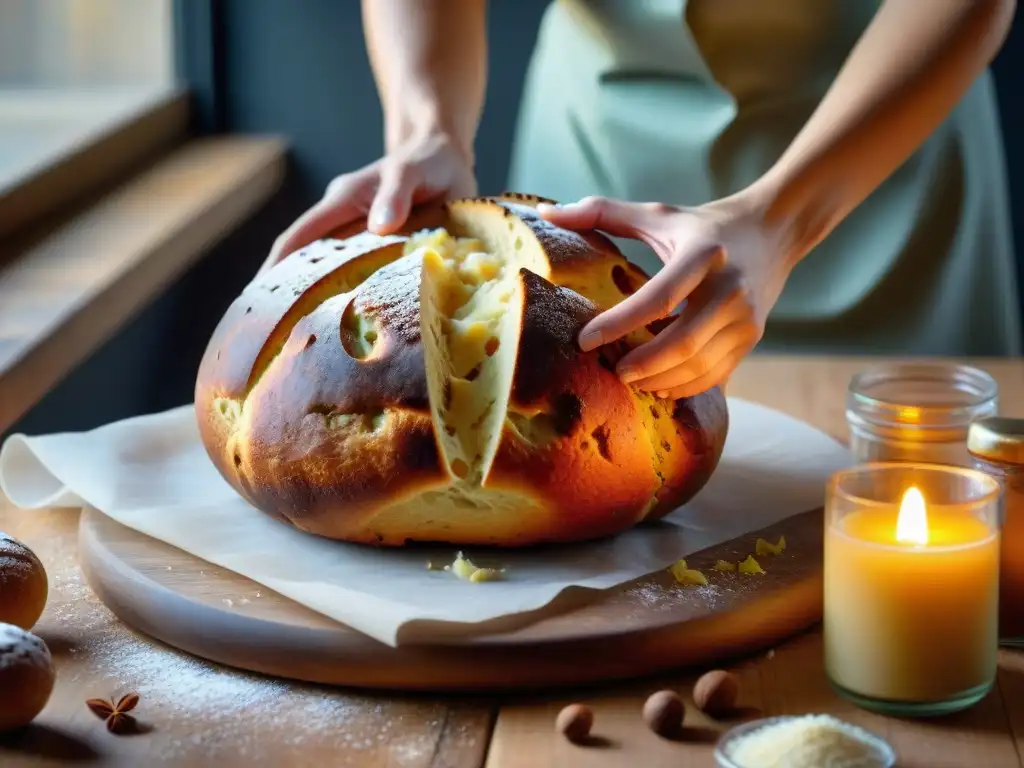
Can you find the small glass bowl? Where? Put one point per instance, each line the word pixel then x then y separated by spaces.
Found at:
pixel 885 753
pixel 917 411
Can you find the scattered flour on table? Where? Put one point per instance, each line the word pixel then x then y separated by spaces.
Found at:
pixel 655 597
pixel 230 714
pixel 13 565
pixel 18 647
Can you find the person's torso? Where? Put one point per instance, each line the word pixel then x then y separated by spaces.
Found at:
pixel 686 101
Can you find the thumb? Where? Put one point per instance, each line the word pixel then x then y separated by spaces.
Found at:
pixel 393 201
pixel 616 217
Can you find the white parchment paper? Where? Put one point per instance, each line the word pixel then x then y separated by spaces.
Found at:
pixel 152 474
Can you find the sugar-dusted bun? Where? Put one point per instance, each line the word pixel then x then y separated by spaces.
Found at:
pixel 427 386
pixel 23 585
pixel 26 676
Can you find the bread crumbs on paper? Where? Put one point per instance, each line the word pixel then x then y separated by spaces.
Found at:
pixel 686 575
pixel 466 570
pixel 750 566
pixel 763 547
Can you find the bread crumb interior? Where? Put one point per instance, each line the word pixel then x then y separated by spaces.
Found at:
pixel 471 339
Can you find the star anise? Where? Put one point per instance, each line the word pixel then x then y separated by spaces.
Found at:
pixel 116 715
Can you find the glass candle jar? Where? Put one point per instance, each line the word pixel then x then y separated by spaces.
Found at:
pixel 911 574
pixel 997 446
pixel 917 412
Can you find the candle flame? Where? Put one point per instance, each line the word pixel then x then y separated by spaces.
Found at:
pixel 912 523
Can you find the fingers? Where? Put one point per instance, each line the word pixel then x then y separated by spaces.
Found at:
pixel 616 217
pixel 393 201
pixel 716 303
pixel 738 336
pixel 639 221
pixel 656 298
pixel 346 200
pixel 717 376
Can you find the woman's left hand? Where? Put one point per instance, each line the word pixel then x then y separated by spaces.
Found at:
pixel 720 260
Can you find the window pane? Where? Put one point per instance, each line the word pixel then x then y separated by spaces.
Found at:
pixel 85 43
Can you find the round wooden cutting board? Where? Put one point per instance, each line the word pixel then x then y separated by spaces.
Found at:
pixel 643 627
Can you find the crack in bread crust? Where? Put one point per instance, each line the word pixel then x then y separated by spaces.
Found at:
pixel 427 386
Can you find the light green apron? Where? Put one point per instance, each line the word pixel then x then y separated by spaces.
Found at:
pixel 684 102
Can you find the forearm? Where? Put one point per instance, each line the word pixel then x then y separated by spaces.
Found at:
pixel 429 60
pixel 909 69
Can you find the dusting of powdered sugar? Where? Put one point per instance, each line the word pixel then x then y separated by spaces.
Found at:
pixel 16 561
pixel 723 590
pixel 203 713
pixel 20 648
pixel 653 597
pixel 12 567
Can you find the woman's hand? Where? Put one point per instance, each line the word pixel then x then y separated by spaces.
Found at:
pixel 719 259
pixel 418 171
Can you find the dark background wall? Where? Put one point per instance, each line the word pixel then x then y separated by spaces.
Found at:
pixel 299 68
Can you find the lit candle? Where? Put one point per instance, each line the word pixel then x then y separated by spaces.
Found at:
pixel 911 586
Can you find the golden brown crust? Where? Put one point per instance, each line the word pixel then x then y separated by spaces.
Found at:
pixel 425 216
pixel 590 459
pixel 328 430
pixel 701 423
pixel 26 677
pixel 251 334
pixel 312 397
pixel 566 250
pixel 276 300
pixel 23 584
pixel 333 480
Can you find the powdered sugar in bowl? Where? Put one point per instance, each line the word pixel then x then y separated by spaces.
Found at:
pixel 802 741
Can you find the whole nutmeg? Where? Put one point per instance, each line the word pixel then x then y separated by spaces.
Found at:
pixel 716 692
pixel 23 586
pixel 575 721
pixel 26 676
pixel 663 712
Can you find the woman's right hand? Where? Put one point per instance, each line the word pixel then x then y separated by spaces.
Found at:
pixel 420 170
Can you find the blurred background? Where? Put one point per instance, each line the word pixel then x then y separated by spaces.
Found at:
pixel 77 80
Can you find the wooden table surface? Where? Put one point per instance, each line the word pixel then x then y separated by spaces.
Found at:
pixel 197 714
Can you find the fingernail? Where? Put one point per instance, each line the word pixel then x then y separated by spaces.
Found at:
pixel 590 340
pixel 663 394
pixel 382 217
pixel 629 374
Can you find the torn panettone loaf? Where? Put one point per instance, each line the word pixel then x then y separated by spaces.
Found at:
pixel 428 386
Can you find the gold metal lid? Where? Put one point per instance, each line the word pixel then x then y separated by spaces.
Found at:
pixel 997 438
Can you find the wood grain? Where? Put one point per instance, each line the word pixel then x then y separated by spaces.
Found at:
pixel 202 714
pixel 644 626
pixel 790 679
pixel 89 139
pixel 65 294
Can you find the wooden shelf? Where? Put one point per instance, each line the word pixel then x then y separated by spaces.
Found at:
pixel 58 146
pixel 68 291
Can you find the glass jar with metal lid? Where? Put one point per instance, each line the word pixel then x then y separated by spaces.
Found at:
pixel 917 412
pixel 996 445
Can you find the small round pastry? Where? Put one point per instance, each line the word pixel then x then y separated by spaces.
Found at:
pixel 663 712
pixel 716 692
pixel 26 677
pixel 575 721
pixel 23 586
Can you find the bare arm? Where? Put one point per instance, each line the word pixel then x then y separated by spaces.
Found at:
pixel 909 69
pixel 429 60
pixel 730 259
